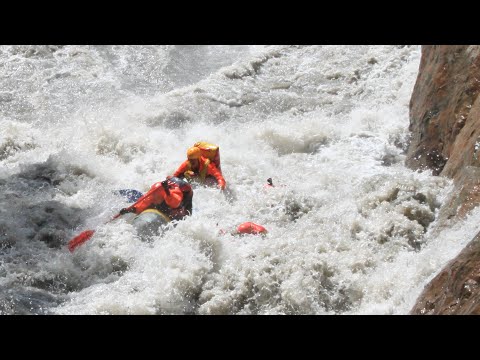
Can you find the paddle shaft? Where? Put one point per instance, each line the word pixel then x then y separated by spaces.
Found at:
pixel 85 236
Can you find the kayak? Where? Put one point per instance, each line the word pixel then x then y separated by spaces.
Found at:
pixel 149 223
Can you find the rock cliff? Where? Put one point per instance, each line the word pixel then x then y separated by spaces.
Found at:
pixel 445 139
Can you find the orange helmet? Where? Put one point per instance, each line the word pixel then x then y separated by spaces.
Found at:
pixel 194 153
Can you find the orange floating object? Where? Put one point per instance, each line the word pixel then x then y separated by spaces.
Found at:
pixel 251 228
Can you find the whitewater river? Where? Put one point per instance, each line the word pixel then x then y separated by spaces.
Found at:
pixel 351 230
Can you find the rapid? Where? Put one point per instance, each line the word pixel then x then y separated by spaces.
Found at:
pixel 351 230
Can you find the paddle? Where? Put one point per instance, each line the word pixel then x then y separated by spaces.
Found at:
pixel 87 234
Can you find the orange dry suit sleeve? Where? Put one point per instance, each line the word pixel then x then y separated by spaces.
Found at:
pixel 156 195
pixel 184 167
pixel 213 171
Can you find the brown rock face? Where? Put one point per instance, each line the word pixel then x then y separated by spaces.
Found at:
pixel 456 289
pixel 464 197
pixel 445 125
pixel 465 150
pixel 447 86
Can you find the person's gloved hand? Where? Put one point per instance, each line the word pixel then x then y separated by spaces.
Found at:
pixel 127 210
pixel 166 187
pixel 189 174
pixel 222 186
